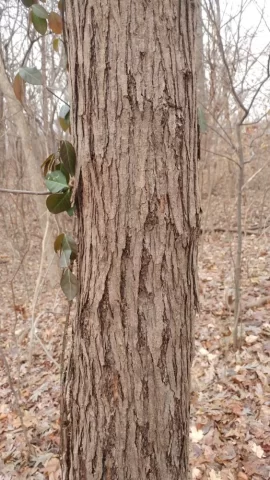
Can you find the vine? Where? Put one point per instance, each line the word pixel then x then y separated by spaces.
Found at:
pixel 59 171
pixel 58 168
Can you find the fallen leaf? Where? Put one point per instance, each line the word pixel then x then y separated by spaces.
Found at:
pixel 196 473
pixel 259 452
pixel 242 476
pixel 195 435
pixel 250 339
pixel 214 475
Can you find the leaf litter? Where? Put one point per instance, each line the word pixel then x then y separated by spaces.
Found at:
pixel 230 431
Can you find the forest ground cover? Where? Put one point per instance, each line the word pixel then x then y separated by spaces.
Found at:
pixel 230 431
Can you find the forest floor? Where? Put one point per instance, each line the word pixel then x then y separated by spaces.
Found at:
pixel 230 430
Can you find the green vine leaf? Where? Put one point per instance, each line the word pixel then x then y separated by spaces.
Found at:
pixel 62 169
pixel 69 245
pixel 28 3
pixel 63 124
pixel 56 181
pixel 31 75
pixel 58 242
pixel 40 24
pixel 68 156
pixel 69 251
pixel 64 259
pixel 61 5
pixel 64 117
pixel 59 202
pixel 71 211
pixel 56 44
pixel 69 284
pixel 39 11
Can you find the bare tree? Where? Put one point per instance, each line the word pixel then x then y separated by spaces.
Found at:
pixel 239 86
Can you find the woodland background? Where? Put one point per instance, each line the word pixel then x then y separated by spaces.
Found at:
pixel 230 431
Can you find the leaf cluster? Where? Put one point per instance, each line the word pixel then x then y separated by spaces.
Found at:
pixel 42 19
pixel 67 248
pixel 58 168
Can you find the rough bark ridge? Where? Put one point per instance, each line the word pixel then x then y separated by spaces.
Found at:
pixel 126 390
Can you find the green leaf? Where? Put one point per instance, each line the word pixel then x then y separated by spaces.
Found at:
pixel 28 3
pixel 31 75
pixel 39 11
pixel 56 181
pixel 56 44
pixel 69 284
pixel 64 259
pixel 40 24
pixel 63 124
pixel 59 202
pixel 69 243
pixel 62 169
pixel 58 242
pixel 68 156
pixel 61 5
pixel 71 211
pixel 69 251
pixel 64 117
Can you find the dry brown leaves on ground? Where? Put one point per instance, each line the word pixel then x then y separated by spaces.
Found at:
pixel 230 432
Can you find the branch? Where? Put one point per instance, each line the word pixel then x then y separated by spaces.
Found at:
pixel 225 63
pixel 23 192
pixel 34 40
pixel 59 98
pixel 221 155
pixel 256 93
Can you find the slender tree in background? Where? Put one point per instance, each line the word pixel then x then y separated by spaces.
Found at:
pixel 134 120
pixel 238 100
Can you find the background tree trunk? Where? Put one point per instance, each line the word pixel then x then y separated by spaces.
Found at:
pixel 126 392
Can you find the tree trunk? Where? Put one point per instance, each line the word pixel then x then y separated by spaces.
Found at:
pixel 126 391
pixel 2 138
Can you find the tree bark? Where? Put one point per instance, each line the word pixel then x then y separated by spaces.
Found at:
pixel 2 138
pixel 134 120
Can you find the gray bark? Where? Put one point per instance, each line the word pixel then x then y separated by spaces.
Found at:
pixel 134 120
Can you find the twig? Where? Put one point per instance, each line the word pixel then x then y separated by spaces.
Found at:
pixel 232 230
pixel 59 98
pixel 16 399
pixel 36 293
pixel 259 302
pixel 47 351
pixel 221 155
pixel 31 45
pixel 23 192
